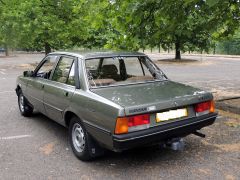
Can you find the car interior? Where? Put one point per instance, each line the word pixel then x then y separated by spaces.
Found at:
pixel 109 74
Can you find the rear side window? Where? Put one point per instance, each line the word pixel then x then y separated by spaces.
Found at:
pixel 64 72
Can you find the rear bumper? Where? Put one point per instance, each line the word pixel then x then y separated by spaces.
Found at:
pixel 162 133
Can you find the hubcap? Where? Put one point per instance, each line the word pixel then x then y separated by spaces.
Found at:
pixel 21 103
pixel 78 137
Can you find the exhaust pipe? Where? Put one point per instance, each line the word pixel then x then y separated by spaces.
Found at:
pixel 199 134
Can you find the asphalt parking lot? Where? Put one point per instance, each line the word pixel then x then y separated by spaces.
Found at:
pixel 37 148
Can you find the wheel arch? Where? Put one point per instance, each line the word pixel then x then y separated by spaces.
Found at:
pixel 68 116
pixel 18 89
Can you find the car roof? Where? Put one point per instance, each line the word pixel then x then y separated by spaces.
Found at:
pixel 91 55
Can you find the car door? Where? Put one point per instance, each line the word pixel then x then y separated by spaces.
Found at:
pixel 58 92
pixel 36 83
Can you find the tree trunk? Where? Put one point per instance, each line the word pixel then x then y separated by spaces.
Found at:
pixel 178 50
pixel 214 49
pixel 47 48
pixel 151 49
pixel 159 48
pixel 6 50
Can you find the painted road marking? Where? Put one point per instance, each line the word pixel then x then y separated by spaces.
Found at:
pixel 15 137
pixel 2 92
pixel 2 72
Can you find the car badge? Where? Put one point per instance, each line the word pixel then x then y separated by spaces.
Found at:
pixel 151 108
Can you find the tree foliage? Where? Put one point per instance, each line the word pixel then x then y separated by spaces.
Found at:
pixel 230 45
pixel 117 24
pixel 188 24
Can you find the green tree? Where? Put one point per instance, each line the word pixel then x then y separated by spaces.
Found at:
pixel 9 31
pixel 47 23
pixel 231 45
pixel 187 24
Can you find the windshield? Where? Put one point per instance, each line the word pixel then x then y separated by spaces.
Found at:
pixel 121 71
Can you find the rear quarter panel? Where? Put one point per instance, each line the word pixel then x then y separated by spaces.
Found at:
pixel 98 115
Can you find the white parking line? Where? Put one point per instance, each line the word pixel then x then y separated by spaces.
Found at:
pixel 15 137
pixel 2 72
pixel 2 92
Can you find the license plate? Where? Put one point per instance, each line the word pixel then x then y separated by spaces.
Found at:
pixel 171 114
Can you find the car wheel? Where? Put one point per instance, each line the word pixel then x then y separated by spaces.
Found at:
pixel 82 144
pixel 24 108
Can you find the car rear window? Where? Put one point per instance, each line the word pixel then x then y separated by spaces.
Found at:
pixel 114 71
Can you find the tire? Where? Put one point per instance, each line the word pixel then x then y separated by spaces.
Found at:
pixel 25 109
pixel 82 144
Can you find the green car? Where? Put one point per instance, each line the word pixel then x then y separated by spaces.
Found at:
pixel 113 100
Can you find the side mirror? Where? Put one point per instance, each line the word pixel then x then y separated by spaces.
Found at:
pixel 27 73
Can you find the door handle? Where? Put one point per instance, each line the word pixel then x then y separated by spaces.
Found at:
pixel 66 93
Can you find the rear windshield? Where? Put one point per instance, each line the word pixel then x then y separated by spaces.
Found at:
pixel 115 71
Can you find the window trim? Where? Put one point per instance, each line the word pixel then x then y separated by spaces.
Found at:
pixel 42 63
pixel 73 63
pixel 141 66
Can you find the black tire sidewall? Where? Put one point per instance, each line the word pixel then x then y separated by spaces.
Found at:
pixel 19 104
pixel 27 110
pixel 85 154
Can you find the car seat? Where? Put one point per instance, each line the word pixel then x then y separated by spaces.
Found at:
pixel 110 71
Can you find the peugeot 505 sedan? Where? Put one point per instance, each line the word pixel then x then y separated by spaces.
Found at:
pixel 112 100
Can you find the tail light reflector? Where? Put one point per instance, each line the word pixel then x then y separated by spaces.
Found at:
pixel 132 123
pixel 204 108
pixel 138 120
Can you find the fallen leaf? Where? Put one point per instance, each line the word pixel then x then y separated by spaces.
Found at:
pixel 233 123
pixel 47 148
pixel 229 147
pixel 229 177
pixel 205 171
pixel 235 147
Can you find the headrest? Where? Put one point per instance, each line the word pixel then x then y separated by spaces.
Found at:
pixel 109 69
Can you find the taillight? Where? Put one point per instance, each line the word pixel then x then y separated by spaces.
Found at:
pixel 204 108
pixel 132 123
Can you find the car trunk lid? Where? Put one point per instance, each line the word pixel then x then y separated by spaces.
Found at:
pixel 153 96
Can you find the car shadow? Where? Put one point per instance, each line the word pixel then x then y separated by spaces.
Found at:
pixel 53 127
pixel 137 156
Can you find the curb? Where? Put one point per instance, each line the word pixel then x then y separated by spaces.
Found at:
pixel 226 107
pixel 202 55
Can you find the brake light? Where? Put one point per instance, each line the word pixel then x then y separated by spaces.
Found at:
pixel 132 123
pixel 204 108
pixel 138 120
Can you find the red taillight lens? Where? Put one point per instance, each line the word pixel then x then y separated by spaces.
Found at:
pixel 138 120
pixel 204 107
pixel 132 123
